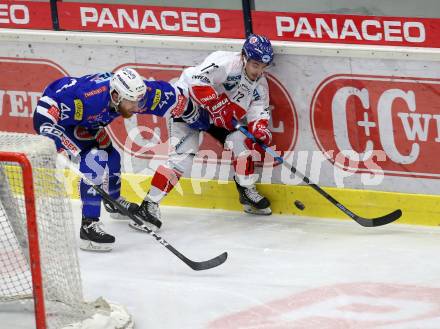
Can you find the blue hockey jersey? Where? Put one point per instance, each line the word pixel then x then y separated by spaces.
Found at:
pixel 85 101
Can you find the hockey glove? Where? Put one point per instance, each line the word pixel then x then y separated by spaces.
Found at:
pixel 196 117
pixel 220 108
pixel 260 130
pixel 99 135
pixel 103 139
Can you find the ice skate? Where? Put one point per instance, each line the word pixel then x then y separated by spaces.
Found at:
pixel 252 201
pixel 93 237
pixel 146 217
pixel 115 213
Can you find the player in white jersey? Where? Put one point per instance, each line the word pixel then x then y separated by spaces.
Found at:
pixel 227 85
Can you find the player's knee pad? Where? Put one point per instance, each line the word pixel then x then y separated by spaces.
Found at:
pixel 183 139
pixel 181 163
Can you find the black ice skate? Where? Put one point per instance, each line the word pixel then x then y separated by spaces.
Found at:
pixel 115 213
pixel 146 216
pixel 252 201
pixel 93 237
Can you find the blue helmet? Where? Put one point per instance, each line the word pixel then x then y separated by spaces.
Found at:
pixel 258 48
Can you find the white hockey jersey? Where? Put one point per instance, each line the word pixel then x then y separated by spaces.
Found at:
pixel 224 71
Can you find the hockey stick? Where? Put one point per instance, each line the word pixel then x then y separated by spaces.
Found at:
pixel 367 222
pixel 196 266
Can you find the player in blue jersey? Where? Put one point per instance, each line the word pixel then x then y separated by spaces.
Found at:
pixel 73 112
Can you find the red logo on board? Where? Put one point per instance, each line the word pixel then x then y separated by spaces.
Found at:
pixel 22 83
pixel 379 124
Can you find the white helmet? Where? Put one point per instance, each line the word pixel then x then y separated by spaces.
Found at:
pixel 128 84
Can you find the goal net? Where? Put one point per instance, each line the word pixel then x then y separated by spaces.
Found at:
pixel 39 267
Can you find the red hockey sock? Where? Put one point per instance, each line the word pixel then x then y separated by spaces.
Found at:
pixel 244 165
pixel 165 179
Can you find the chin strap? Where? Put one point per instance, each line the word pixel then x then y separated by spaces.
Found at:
pixel 115 107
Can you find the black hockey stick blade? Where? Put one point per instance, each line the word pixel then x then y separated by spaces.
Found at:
pixel 206 265
pixel 379 221
pixel 200 266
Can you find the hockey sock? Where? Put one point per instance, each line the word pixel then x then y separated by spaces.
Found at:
pixel 244 170
pixel 163 182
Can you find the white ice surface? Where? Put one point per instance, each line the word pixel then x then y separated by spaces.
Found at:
pixel 282 272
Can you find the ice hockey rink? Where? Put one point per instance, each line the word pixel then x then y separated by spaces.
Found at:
pixel 282 272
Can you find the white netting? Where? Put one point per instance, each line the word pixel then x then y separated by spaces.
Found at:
pixel 58 251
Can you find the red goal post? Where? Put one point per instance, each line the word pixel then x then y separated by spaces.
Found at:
pixel 39 267
pixel 34 249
